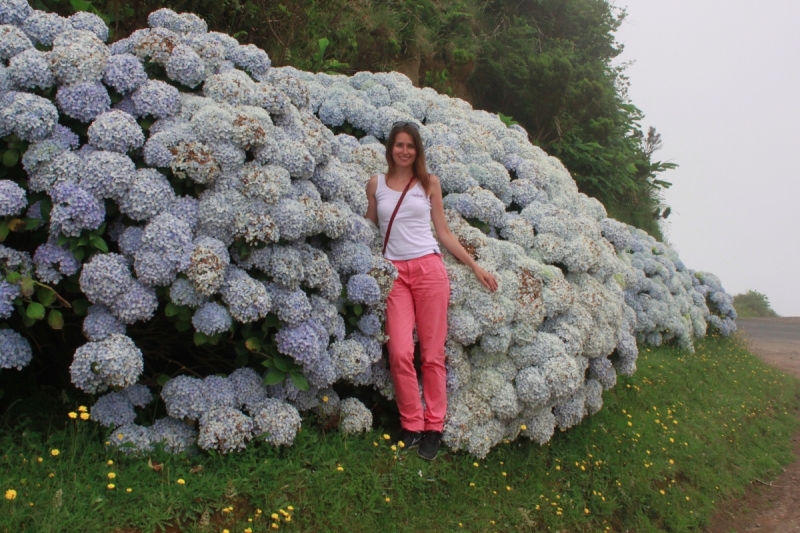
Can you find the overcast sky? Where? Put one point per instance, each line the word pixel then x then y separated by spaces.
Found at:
pixel 720 80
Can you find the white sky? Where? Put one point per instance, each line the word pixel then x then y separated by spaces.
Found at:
pixel 720 80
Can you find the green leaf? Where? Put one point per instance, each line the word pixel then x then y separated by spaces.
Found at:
pixel 46 295
pixel 240 348
pixel 253 344
pixel 10 158
pixel 357 309
pixel 78 254
pixel 241 360
pixel 55 319
pixel 45 207
pixel 268 363
pixel 13 277
pixel 99 243
pixel 182 325
pixel 272 321
pixel 62 240
pixel 80 307
pixel 80 5
pixel 353 320
pixel 35 311
pixel 28 321
pixel 282 364
pixel 299 381
pixel 3 230
pixel 31 223
pixel 26 287
pixel 274 377
pixel 200 338
pixel 171 309
pixel 162 380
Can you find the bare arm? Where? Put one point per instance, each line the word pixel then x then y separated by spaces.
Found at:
pixel 372 203
pixel 450 241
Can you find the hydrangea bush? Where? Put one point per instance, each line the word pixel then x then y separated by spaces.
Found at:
pixel 175 174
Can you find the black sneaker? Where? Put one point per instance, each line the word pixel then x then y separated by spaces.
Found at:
pixel 429 447
pixel 410 439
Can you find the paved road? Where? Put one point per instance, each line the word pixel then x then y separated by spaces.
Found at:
pixel 775 340
pixel 773 507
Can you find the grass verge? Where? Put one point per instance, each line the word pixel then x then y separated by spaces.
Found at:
pixel 685 432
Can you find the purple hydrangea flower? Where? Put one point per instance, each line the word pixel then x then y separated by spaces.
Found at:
pixel 83 20
pixel 124 73
pixel 116 131
pixel 30 117
pixel 74 209
pixel 156 98
pixel 14 11
pixel 212 318
pixel 53 262
pixel 43 27
pixel 363 288
pixel 30 70
pixel 83 101
pixel 8 292
pixel 15 351
pixel 12 198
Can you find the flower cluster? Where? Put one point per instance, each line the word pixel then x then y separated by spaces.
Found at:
pixel 224 192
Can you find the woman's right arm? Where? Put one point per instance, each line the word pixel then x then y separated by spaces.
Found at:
pixel 372 202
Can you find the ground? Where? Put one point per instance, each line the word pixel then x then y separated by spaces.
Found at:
pixel 768 506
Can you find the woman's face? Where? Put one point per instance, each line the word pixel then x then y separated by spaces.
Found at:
pixel 404 152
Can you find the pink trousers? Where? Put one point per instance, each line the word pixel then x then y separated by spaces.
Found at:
pixel 420 296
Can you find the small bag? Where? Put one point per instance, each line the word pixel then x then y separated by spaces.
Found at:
pixel 396 208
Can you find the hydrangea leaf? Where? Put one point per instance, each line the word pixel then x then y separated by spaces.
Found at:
pixel 35 311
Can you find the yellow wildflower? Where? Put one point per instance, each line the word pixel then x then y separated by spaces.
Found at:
pixel 340 468
pixel 111 486
pixel 275 516
pixel 84 416
pixel 54 452
pixel 324 399
pixel 401 444
pixel 181 482
pixel 39 459
pixel 82 409
pixel 111 475
pixel 11 494
pixel 248 530
pixel 129 489
pixel 290 508
pixel 275 525
pixel 386 437
pixel 475 465
pixel 51 474
pixel 585 510
pixel 523 427
pixel 504 474
pixel 394 448
pixel 72 414
pixel 388 499
pixel 508 488
pixel 472 484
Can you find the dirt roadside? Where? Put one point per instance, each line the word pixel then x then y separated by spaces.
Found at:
pixel 768 506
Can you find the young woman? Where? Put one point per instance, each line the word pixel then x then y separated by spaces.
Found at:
pixel 421 292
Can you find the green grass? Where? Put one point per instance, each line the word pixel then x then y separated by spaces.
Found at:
pixel 697 426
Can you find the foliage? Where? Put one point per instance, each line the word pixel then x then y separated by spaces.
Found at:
pixel 753 304
pixel 676 440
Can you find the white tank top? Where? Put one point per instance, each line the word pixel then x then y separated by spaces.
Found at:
pixel 411 235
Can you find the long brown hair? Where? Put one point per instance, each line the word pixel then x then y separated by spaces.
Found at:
pixel 420 170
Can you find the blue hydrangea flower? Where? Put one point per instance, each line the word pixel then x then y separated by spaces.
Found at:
pixel 124 73
pixel 277 422
pixel 212 318
pixel 83 101
pixel 12 42
pixel 100 323
pixel 83 20
pixel 43 27
pixel 304 342
pixel 186 67
pixel 112 362
pixel 108 174
pixel 28 116
pixel 179 23
pixel 12 198
pixel 246 298
pixel 74 209
pixel 252 59
pixel 174 435
pixel 149 194
pixel 30 70
pixel 78 56
pixel 184 398
pixel 53 262
pixel 225 430
pixel 370 324
pixel 156 98
pixel 15 351
pixel 249 388
pixel 356 417
pixel 14 11
pixel 105 278
pixel 139 302
pixel 113 410
pixel 8 292
pixel 116 131
pixel 363 288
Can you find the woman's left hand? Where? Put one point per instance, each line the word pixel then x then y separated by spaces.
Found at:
pixel 485 278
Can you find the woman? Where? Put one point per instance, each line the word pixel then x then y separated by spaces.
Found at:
pixel 421 292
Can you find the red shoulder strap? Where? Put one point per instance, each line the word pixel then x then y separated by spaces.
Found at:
pixel 396 208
